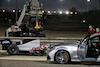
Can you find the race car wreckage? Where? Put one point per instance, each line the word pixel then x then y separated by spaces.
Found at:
pixel 30 46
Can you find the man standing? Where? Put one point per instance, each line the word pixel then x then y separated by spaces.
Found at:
pixel 91 30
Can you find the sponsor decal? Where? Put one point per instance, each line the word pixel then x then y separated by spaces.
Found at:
pixel 42 47
pixel 5 42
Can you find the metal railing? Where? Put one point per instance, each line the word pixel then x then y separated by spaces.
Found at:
pixel 45 40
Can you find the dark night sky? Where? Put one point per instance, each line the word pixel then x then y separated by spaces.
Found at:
pixel 53 4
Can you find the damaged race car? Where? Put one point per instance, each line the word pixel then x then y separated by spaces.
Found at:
pixel 26 46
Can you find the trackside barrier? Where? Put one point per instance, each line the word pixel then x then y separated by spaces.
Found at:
pixel 43 40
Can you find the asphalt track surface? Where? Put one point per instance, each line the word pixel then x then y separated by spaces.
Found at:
pixel 13 63
pixel 23 57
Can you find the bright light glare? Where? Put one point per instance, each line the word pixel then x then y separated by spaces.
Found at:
pixel 3 10
pixel 42 11
pixel 60 12
pixel 88 0
pixel 13 10
pixel 84 21
pixel 49 12
pixel 55 12
pixel 75 12
pixel 67 12
pixel 71 12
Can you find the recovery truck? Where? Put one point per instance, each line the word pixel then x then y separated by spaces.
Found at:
pixel 20 38
pixel 30 22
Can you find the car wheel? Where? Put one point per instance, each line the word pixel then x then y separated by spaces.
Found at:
pixel 62 57
pixel 13 49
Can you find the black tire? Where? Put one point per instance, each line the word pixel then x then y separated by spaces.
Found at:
pixel 62 57
pixel 13 49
